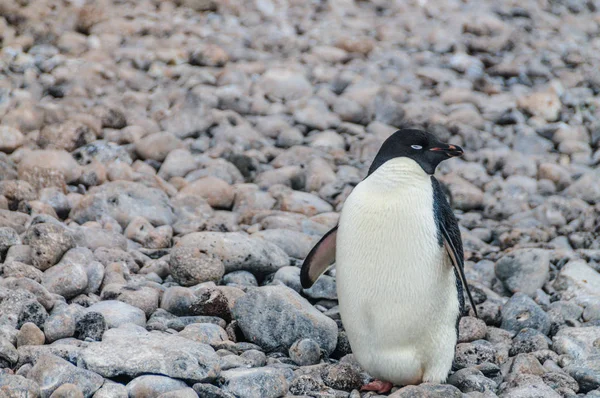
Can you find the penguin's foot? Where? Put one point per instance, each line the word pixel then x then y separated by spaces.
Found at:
pixel 381 387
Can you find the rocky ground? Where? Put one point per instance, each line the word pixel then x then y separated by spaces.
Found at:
pixel 165 166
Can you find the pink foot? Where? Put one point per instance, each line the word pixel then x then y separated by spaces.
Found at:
pixel 382 387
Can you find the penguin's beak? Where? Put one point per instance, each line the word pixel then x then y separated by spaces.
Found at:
pixel 450 150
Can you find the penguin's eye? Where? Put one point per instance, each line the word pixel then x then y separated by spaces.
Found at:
pixel 416 147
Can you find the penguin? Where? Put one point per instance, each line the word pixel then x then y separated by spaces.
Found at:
pixel 399 265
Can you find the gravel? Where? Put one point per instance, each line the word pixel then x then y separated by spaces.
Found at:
pixel 166 166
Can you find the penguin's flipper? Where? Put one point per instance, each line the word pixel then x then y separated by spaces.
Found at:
pixel 459 267
pixel 319 259
pixel 450 235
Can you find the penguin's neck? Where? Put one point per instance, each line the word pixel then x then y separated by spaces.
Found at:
pixel 398 173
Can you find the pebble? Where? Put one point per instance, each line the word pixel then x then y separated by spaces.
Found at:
pixel 265 382
pixel 238 251
pixel 217 193
pixel 206 333
pixel 264 312
pixel 520 312
pixel 51 372
pixel 524 270
pixel 68 390
pixel 471 329
pixel 123 201
pixel 30 334
pixel 190 266
pixel 305 352
pixel 124 351
pixel 48 243
pixel 153 386
pixel 117 313
pixel 474 353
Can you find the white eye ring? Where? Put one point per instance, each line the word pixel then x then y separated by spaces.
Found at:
pixel 416 147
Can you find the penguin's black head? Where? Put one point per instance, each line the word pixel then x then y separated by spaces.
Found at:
pixel 420 146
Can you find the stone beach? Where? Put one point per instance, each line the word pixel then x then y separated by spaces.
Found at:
pixel 166 165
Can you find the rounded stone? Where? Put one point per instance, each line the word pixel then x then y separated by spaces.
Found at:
pixel 30 334
pixel 305 352
pixel 190 266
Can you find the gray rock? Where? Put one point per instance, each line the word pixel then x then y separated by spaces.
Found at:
pixel 8 353
pixel 474 353
pixel 428 390
pixel 61 322
pixel 527 386
pixel 520 311
pixel 524 270
pixel 558 380
pixel 289 276
pixel 123 201
pixel 126 351
pixel 295 244
pixel 210 391
pixel 8 237
pixel 143 297
pixel 578 343
pixel 117 313
pixel 324 288
pixel 190 266
pixel 265 313
pixel 206 333
pixel 238 251
pixel 284 85
pixel 67 279
pixel 18 269
pixel 90 326
pixel 585 187
pixel 305 352
pixel 15 386
pixel 111 390
pixel 15 220
pixel 153 386
pixel 48 243
pixel 264 382
pixel 18 306
pixel 183 393
pixel 50 372
pixel 577 278
pixel 342 376
pixel 67 391
pixel 529 340
pixel 240 278
pixel 471 379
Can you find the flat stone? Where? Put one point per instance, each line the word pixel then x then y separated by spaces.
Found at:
pixel 238 251
pixel 265 313
pixel 577 278
pixel 50 372
pixel 578 343
pixel 133 351
pixel 117 313
pixel 123 201
pixel 524 270
pixel 263 382
pixel 153 386
pixel 520 311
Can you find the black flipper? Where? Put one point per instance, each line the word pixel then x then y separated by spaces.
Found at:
pixel 319 259
pixel 449 235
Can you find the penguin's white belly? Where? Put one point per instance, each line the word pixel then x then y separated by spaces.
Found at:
pixel 396 285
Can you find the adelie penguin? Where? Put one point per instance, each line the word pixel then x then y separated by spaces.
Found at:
pixel 399 265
